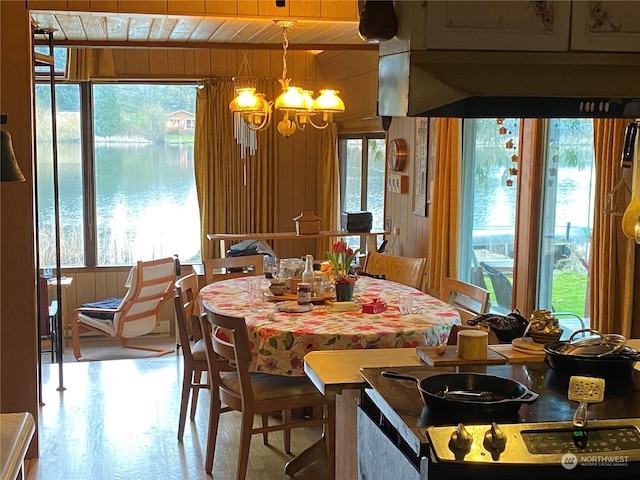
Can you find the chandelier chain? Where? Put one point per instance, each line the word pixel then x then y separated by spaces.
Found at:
pixel 285 44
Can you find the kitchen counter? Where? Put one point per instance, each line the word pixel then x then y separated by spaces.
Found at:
pixel 337 375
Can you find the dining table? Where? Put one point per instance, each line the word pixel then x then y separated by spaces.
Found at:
pixel 280 339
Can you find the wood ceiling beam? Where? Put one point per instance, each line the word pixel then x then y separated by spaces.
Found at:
pixel 209 45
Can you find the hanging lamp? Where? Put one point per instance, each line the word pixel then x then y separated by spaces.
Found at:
pixel 297 105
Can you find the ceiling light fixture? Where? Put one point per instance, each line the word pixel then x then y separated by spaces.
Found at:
pixel 296 104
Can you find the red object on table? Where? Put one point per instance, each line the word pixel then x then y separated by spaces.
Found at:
pixel 376 306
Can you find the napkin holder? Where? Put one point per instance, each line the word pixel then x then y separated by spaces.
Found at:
pixel 376 306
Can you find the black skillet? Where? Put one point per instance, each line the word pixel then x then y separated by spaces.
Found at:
pixel 475 394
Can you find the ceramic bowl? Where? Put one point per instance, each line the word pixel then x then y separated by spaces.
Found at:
pixel 278 288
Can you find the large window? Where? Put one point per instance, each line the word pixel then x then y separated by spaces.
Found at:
pixel 127 192
pixel 362 180
pixel 69 175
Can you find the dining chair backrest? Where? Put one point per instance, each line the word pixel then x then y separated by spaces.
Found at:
pixel 216 269
pixel 230 340
pixel 183 330
pixel 187 289
pixel 469 300
pixel 406 270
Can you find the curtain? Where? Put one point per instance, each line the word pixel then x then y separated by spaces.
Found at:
pixel 443 243
pixel 328 191
pixel 613 266
pixel 235 195
pixel 84 64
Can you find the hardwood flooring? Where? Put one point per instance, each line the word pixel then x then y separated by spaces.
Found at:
pixel 118 419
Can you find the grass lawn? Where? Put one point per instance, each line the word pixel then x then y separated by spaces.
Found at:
pixel 569 292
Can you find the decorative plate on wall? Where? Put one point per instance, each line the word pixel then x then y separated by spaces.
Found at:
pixel 397 154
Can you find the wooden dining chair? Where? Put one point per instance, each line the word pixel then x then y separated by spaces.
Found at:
pixel 216 269
pixel 406 270
pixel 188 289
pixel 252 393
pixel 151 284
pixel 194 362
pixel 469 300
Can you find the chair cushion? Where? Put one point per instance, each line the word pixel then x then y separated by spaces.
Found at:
pixel 198 351
pixel 267 387
pixel 112 303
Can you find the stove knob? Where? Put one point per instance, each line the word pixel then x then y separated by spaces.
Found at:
pixel 460 441
pixel 495 441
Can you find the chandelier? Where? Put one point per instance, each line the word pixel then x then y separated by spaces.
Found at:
pixel 297 105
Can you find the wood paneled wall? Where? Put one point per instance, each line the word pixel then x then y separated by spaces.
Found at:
pixel 325 9
pixel 413 240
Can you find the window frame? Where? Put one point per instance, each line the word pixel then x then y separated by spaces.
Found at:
pixel 88 161
pixel 364 137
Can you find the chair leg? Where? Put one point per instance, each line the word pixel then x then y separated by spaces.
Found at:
pixel 214 419
pixel 197 376
pixel 330 435
pixel 184 401
pixel 245 443
pixel 75 337
pixel 265 423
pixel 286 433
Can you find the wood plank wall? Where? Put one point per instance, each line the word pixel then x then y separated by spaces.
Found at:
pixel 413 240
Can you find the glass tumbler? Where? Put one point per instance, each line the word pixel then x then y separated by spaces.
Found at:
pixel 405 304
pixel 257 300
pixel 254 283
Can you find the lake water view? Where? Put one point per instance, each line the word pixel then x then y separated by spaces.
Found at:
pixel 146 203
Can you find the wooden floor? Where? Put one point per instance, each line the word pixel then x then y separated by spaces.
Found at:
pixel 118 419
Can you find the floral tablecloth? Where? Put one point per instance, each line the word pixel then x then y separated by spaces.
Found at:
pixel 280 340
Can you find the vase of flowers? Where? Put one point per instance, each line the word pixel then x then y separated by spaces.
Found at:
pixel 341 257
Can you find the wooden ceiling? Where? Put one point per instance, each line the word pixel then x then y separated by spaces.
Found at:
pixel 118 29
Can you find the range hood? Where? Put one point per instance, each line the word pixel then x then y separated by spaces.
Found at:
pixel 427 83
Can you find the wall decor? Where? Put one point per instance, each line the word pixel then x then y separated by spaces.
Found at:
pixel 420 167
pixel 397 155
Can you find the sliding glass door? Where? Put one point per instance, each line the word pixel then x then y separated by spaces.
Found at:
pixel 488 207
pixel 567 216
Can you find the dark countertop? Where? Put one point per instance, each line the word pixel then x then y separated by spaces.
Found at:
pixel 401 398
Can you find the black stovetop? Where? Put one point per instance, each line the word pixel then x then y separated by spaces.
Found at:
pixel 400 400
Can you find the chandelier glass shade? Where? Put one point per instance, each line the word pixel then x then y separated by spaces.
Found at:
pixel 297 105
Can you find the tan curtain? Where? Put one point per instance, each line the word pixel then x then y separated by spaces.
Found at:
pixel 84 64
pixel 612 287
pixel 234 195
pixel 443 251
pixel 328 194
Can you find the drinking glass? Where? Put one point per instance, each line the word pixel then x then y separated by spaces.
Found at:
pixel 318 286
pixel 254 283
pixel 405 304
pixel 257 300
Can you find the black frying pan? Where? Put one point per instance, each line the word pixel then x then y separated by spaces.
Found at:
pixel 474 394
pixel 617 364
